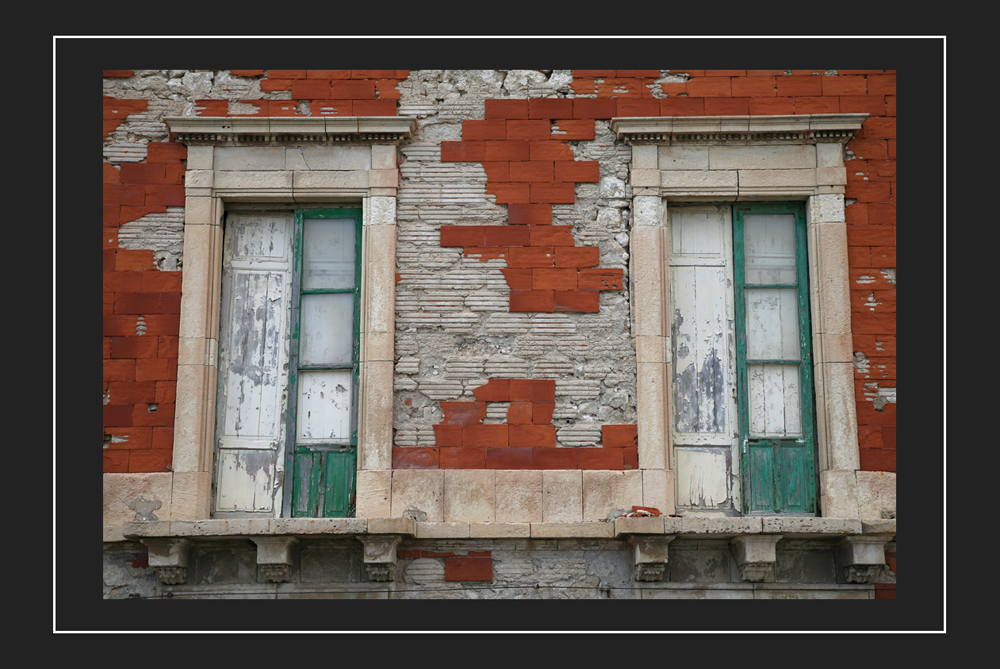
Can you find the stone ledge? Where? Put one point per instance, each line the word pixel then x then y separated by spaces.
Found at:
pixel 717 528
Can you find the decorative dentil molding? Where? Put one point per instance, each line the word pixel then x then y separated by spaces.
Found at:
pixel 738 130
pixel 277 131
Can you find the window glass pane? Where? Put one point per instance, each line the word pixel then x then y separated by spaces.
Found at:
pixel 774 401
pixel 324 407
pixel 327 335
pixel 769 248
pixel 772 324
pixel 328 253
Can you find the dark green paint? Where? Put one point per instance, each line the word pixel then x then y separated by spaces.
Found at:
pixel 323 475
pixel 779 475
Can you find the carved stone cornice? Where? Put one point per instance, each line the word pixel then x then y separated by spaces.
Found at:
pixel 276 131
pixel 738 130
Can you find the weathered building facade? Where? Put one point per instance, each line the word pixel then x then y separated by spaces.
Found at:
pixel 499 334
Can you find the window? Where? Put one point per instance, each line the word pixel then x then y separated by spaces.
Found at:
pixel 741 386
pixel 288 362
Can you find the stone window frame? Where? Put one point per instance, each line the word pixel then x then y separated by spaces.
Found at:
pixel 250 174
pixel 726 159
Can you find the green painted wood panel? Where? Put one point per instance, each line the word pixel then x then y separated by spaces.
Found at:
pixel 323 451
pixel 777 435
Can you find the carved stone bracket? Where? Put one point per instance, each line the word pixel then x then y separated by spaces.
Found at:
pixel 274 556
pixel 650 555
pixel 169 557
pixel 380 556
pixel 863 557
pixel 755 556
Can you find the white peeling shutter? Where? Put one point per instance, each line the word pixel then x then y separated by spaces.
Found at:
pixel 253 357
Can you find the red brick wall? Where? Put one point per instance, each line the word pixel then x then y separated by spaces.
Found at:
pixel 140 369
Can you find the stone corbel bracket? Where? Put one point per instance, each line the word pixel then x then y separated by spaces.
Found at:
pixel 739 130
pixel 274 557
pixel 649 545
pixel 863 557
pixel 169 557
pixel 384 535
pixel 238 131
pixel 755 556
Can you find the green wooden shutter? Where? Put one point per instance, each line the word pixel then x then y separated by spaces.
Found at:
pixel 774 369
pixel 323 379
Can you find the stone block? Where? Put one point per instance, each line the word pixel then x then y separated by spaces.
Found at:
pixel 831 176
pixel 330 158
pixel 121 489
pixel 639 525
pixel 499 530
pixel 644 157
pixel 380 278
pixel 777 179
pixel 326 180
pixel 715 526
pixel 607 491
pixel 249 158
pixel 717 183
pixel 418 491
pixel 838 434
pixel 374 490
pixel 649 349
pixel 825 209
pixel 383 157
pixel 319 525
pixel 402 526
pixel 829 154
pixel 647 210
pixel 683 158
pixel 469 495
pixel 652 414
pixel 838 494
pixel 780 157
pixel 519 496
pixel 199 211
pixel 375 431
pixel 443 530
pixel 876 495
pixel 200 157
pixel 645 178
pixel 658 490
pixel 833 347
pixel 191 495
pixel 194 418
pixel 562 496
pixel 647 280
pixel 791 526
pixel 383 178
pixel 379 210
pixel 199 297
pixel 829 278
pixel 594 530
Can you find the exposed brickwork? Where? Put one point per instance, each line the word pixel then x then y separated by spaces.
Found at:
pixel 526 441
pixel 318 93
pixel 522 144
